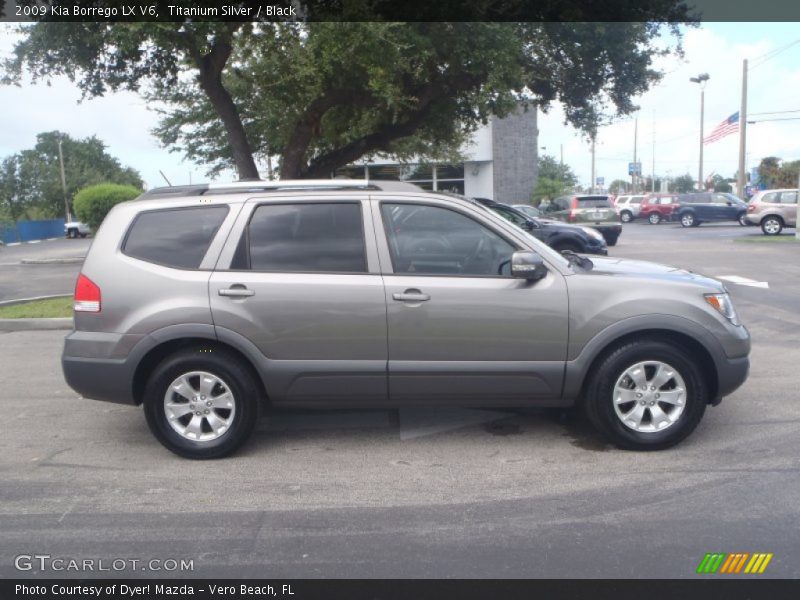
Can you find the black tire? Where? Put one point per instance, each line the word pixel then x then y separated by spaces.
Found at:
pixel 743 220
pixel 567 245
pixel 688 220
pixel 72 234
pixel 626 216
pixel 611 240
pixel 222 364
pixel 772 225
pixel 654 218
pixel 599 400
pixel 83 235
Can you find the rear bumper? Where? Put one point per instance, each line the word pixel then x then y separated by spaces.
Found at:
pixel 99 379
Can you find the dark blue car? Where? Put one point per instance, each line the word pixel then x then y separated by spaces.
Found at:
pixel 694 209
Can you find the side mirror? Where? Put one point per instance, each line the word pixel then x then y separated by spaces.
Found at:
pixel 529 225
pixel 527 265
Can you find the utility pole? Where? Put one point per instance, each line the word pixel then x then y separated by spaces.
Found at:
pixel 741 177
pixel 593 179
pixel 67 215
pixel 701 80
pixel 635 138
pixel 562 155
pixel 653 171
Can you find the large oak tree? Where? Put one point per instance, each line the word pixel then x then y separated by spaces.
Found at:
pixel 321 95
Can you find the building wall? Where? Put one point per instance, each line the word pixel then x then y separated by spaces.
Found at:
pixel 515 156
pixel 478 179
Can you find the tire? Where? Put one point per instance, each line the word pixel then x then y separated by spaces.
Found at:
pixel 654 218
pixel 72 234
pixel 83 235
pixel 626 216
pixel 612 240
pixel 771 225
pixel 206 364
pixel 687 220
pixel 743 220
pixel 652 433
pixel 561 246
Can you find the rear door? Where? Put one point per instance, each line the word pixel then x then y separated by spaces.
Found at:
pixel 461 330
pixel 788 207
pixel 299 281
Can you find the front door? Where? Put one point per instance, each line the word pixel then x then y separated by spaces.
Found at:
pixel 461 330
pixel 303 287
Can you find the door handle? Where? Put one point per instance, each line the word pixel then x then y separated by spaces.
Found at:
pixel 236 291
pixel 412 296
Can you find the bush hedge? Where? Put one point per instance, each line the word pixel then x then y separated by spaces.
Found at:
pixel 92 203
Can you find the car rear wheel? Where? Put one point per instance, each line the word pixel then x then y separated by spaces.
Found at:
pixel 654 218
pixel 743 220
pixel 687 220
pixel 772 225
pixel 626 216
pixel 646 395
pixel 201 403
pixel 72 233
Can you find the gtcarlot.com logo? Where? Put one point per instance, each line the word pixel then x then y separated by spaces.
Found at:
pixel 46 562
pixel 737 563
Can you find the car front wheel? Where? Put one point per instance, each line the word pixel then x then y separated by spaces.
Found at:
pixel 626 216
pixel 687 220
pixel 646 395
pixel 201 403
pixel 654 218
pixel 772 226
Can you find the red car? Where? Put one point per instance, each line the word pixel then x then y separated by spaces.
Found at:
pixel 658 207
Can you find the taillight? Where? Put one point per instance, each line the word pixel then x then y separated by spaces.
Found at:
pixel 87 295
pixel 752 207
pixel 572 212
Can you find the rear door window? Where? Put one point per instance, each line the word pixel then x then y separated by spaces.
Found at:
pixel 788 197
pixel 305 237
pixel 177 237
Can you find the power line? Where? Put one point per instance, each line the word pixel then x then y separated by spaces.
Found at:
pixel 775 112
pixel 766 120
pixel 772 54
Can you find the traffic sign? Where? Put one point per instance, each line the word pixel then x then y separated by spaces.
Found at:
pixel 635 168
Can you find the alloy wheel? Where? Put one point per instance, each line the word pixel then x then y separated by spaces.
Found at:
pixel 649 396
pixel 199 406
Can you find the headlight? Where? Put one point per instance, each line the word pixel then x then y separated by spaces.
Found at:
pixel 592 233
pixel 722 303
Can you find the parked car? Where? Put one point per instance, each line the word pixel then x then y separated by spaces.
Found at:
pixel 696 208
pixel 773 210
pixel 628 207
pixel 73 229
pixel 555 234
pixel 208 303
pixel 592 210
pixel 658 207
pixel 528 209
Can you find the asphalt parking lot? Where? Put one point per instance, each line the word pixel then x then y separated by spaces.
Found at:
pixel 46 268
pixel 414 493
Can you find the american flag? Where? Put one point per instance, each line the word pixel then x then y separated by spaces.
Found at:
pixel 728 126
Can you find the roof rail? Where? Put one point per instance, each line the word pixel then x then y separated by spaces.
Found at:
pixel 280 185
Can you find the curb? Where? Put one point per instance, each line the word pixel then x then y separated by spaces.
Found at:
pixel 76 260
pixel 61 323
pixel 32 299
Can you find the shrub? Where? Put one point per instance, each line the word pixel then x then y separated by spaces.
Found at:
pixel 92 203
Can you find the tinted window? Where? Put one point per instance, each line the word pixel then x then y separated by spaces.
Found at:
pixel 438 241
pixel 510 215
pixel 594 202
pixel 176 238
pixel 306 237
pixel 637 199
pixel 788 197
pixel 770 198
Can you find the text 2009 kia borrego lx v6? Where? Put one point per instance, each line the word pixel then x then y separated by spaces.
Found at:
pixel 208 303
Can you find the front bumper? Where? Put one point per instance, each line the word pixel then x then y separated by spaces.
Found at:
pixel 731 374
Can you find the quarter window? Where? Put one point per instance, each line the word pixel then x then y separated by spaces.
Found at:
pixel 437 241
pixel 305 237
pixel 175 238
pixel 788 197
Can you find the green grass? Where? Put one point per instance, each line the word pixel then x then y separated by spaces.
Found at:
pixel 49 308
pixel 766 239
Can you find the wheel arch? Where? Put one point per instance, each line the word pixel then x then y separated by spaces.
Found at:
pixel 701 348
pixel 153 357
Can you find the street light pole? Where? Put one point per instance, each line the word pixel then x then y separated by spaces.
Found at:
pixel 63 183
pixel 701 79
pixel 741 177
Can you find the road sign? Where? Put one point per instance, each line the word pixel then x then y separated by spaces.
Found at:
pixel 601 181
pixel 635 168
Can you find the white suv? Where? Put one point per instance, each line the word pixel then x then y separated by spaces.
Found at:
pixel 628 207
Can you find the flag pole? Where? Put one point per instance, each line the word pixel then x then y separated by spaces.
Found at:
pixel 741 178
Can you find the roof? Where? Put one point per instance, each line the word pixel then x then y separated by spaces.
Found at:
pixel 283 185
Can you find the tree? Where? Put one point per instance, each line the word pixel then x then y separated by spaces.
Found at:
pixel 93 202
pixel 721 184
pixel 554 179
pixel 321 95
pixel 30 181
pixel 618 186
pixel 683 184
pixel 776 173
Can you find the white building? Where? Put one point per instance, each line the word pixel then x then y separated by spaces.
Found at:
pixel 501 163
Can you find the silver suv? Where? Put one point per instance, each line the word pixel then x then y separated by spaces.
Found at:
pixel 209 303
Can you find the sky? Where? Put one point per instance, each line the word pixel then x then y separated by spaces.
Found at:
pixel 670 110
